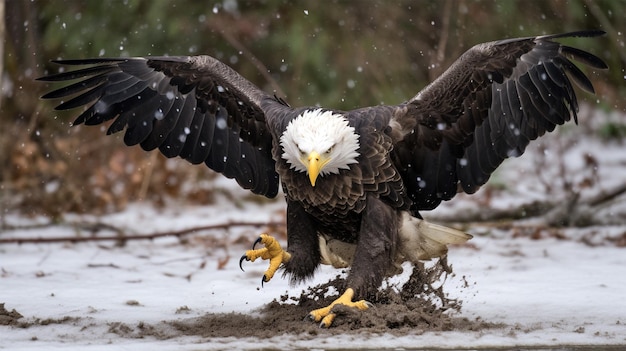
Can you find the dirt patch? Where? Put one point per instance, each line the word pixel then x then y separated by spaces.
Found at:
pixel 9 317
pixel 15 319
pixel 419 305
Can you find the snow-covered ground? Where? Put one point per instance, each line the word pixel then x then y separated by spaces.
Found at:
pixel 544 292
pixel 542 289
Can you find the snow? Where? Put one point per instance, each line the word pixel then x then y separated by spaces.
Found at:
pixel 549 291
pixel 544 292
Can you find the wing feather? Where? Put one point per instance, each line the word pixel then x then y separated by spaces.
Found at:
pixel 165 118
pixel 193 107
pixel 141 125
pixel 177 136
pixel 198 151
pixel 488 106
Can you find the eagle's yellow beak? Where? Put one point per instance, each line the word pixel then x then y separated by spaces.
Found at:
pixel 314 165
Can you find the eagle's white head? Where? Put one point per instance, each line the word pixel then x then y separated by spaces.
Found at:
pixel 319 142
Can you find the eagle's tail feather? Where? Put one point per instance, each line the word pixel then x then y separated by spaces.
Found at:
pixel 421 240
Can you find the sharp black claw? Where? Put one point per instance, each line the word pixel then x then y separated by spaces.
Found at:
pixel 309 318
pixel 258 240
pixel 244 257
pixel 263 280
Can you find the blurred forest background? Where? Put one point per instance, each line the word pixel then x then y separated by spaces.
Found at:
pixel 341 54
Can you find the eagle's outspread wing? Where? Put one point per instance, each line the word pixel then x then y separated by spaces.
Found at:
pixel 486 107
pixel 194 107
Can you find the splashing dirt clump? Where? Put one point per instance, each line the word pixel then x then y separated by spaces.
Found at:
pixel 419 305
pixel 9 317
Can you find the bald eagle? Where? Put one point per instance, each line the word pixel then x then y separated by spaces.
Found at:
pixel 354 181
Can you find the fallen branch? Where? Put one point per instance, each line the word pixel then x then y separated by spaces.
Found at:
pixel 607 196
pixel 481 214
pixel 570 211
pixel 150 236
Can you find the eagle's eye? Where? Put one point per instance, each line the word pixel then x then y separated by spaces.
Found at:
pixel 302 153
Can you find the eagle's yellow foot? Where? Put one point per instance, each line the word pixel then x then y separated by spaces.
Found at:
pixel 272 251
pixel 325 315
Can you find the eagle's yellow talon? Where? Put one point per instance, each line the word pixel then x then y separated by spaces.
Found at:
pixel 327 321
pixel 272 252
pixel 325 315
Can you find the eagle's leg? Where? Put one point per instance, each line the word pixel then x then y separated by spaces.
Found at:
pixel 303 255
pixel 272 252
pixel 373 259
pixel 302 243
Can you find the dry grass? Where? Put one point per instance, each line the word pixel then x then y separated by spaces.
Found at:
pixel 53 172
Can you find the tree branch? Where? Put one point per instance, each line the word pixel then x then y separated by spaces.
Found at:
pixel 122 237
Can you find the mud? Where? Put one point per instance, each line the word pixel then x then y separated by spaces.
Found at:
pixel 9 317
pixel 15 319
pixel 419 305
